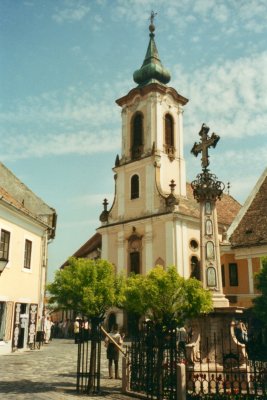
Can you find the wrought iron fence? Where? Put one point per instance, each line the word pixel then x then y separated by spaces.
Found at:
pixel 220 370
pixel 154 355
pixel 88 360
pixel 227 372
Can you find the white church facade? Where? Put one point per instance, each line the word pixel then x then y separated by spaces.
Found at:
pixel 154 218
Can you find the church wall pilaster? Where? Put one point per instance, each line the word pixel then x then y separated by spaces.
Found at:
pixel 169 235
pixel 149 131
pixel 181 248
pixel 121 251
pixel 150 184
pixel 124 141
pixel 148 259
pixel 104 250
pixel 179 133
pixel 121 193
pixel 159 126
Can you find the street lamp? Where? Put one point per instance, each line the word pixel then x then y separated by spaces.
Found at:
pixel 3 264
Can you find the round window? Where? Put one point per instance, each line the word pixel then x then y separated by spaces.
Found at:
pixel 193 244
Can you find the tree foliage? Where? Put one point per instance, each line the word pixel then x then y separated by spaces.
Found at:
pixel 260 302
pixel 165 297
pixel 86 286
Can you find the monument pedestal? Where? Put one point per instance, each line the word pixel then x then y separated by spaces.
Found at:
pixel 213 340
pixel 220 301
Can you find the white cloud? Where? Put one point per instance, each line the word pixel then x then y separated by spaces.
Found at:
pixel 72 11
pixel 77 120
pixel 230 96
pixel 83 142
pixel 249 15
pixel 93 199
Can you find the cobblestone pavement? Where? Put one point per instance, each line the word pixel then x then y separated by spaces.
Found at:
pixel 50 373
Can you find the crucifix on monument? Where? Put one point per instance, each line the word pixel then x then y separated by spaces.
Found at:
pixel 204 145
pixel 207 189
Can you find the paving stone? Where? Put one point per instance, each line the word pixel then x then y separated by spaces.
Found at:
pixel 50 374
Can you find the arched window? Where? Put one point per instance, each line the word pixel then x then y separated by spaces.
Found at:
pixel 169 139
pixel 135 187
pixel 137 135
pixel 134 251
pixel 135 262
pixel 169 136
pixel 195 268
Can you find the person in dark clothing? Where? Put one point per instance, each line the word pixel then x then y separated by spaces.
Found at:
pixel 113 351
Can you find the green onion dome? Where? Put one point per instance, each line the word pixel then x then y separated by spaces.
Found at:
pixel 152 70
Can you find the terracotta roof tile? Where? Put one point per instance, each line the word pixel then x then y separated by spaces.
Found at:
pixel 252 229
pixel 12 201
pixel 92 244
pixel 227 207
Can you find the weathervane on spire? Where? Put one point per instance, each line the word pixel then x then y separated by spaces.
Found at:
pixel 152 17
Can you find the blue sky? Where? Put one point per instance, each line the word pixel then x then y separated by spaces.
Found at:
pixel 65 62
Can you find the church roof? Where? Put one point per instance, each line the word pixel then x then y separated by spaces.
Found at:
pixel 152 70
pixel 92 244
pixel 250 226
pixel 227 207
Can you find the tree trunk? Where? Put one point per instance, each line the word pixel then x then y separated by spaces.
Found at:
pixel 94 368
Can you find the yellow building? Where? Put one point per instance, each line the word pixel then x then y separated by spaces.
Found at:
pixel 27 225
pixel 241 256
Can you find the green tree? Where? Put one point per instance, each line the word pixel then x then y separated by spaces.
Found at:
pixel 260 302
pixel 168 300
pixel 165 298
pixel 86 286
pixel 90 288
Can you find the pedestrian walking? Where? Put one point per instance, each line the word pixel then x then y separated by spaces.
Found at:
pixel 76 329
pixel 47 329
pixel 113 351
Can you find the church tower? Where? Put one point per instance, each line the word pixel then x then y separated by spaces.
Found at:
pixel 142 227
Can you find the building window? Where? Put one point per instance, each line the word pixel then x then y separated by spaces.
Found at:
pixel 193 245
pixel 169 136
pixel 195 268
pixel 4 244
pixel 135 187
pixel 137 136
pixel 2 319
pixel 27 254
pixel 223 275
pixel 135 262
pixel 233 274
pixel 169 139
pixel 134 252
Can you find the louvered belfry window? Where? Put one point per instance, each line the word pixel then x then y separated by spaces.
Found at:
pixel 137 136
pixel 169 139
pixel 135 187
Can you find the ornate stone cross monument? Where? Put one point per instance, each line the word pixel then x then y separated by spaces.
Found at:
pixel 205 143
pixel 207 189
